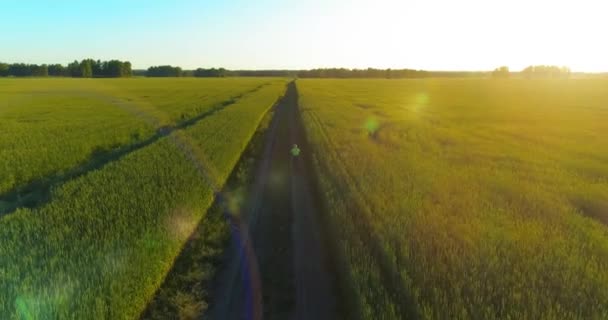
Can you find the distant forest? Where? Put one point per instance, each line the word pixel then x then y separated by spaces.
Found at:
pixel 541 71
pixel 89 68
pixel 170 71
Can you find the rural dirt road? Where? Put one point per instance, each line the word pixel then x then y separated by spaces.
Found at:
pixel 277 264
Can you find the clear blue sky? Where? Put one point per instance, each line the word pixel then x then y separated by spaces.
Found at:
pixel 264 34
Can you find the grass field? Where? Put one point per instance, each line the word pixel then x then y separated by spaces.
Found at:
pixel 187 291
pixel 445 198
pixel 102 244
pixel 51 126
pixel 459 199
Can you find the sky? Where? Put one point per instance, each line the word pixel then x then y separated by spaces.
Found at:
pixel 272 34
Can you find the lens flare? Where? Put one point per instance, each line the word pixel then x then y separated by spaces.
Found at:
pixel 22 309
pixel 422 99
pixel 371 126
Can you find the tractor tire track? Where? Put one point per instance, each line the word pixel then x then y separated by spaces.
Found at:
pixel 38 192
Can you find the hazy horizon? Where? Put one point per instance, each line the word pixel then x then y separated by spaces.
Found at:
pixel 470 35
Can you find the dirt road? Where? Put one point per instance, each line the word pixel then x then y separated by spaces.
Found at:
pixel 277 264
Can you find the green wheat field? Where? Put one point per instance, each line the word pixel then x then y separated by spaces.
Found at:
pixel 445 198
pixel 468 199
pixel 102 242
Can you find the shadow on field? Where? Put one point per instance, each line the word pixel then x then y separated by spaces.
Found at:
pixel 371 241
pixel 187 289
pixel 279 265
pixel 256 281
pixel 38 192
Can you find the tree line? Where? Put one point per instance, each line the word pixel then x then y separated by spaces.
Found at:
pixel 87 68
pixel 385 73
pixel 164 71
pixel 362 73
pixel 540 71
pixel 543 71
pixel 170 71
